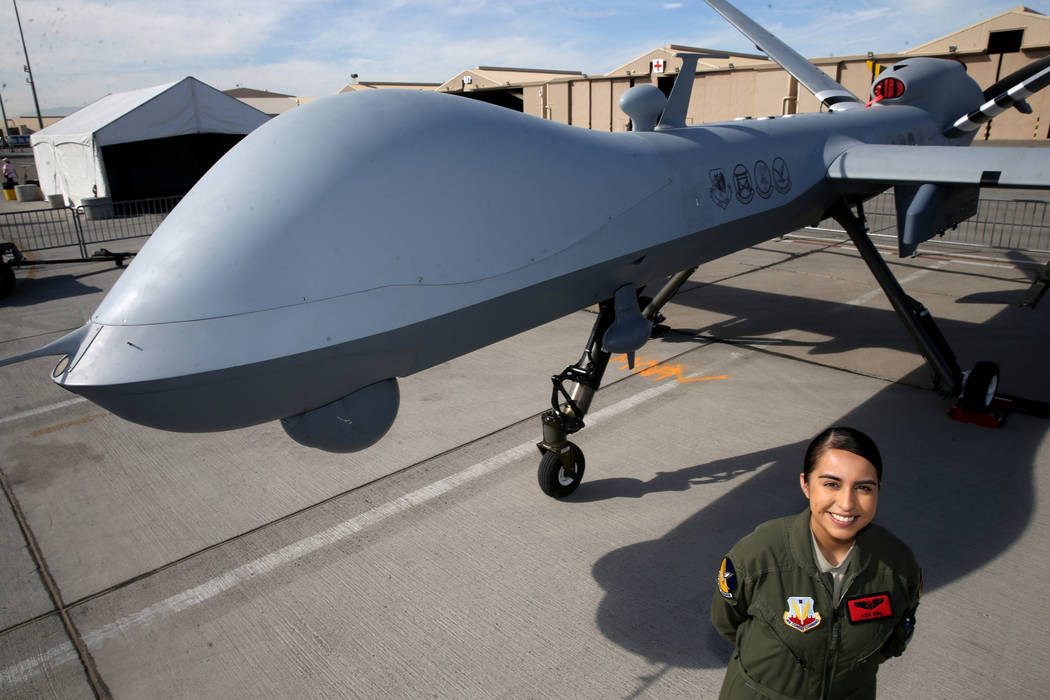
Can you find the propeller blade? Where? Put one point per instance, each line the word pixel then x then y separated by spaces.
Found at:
pixel 1002 102
pixel 1018 76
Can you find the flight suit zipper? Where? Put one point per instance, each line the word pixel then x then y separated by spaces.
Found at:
pixel 836 632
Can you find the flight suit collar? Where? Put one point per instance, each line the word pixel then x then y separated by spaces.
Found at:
pixel 800 540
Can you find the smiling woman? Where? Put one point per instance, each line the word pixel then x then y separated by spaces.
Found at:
pixel 813 603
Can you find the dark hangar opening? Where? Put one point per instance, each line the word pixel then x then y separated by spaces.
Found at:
pixel 511 98
pixel 1008 41
pixel 164 167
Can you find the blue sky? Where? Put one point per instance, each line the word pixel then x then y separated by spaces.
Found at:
pixel 82 50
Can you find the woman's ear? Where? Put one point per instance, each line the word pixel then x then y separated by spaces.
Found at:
pixel 804 484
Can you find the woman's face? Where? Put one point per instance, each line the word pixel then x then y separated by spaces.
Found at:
pixel 843 492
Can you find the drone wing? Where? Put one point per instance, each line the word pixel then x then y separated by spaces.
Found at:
pixel 937 187
pixel 948 165
pixel 815 80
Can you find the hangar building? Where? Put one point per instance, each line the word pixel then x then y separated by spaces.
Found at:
pixel 750 85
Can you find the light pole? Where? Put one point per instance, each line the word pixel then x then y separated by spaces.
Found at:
pixel 32 85
pixel 3 113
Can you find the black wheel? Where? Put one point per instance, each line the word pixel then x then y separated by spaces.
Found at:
pixel 7 280
pixel 980 386
pixel 555 481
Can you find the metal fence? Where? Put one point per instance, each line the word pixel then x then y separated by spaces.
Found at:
pixel 1015 224
pixel 44 229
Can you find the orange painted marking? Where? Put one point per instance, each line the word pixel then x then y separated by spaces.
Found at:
pixel 658 371
pixel 68 424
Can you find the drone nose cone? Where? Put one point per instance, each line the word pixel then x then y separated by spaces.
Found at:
pixel 286 279
pixel 351 193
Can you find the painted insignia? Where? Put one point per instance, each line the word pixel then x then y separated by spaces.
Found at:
pixel 800 614
pixel 763 179
pixel 727 579
pixel 720 190
pixel 781 175
pixel 869 608
pixel 742 178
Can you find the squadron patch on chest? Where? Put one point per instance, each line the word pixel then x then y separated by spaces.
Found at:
pixel 869 608
pixel 727 579
pixel 800 614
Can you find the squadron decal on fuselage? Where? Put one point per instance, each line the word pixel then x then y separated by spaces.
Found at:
pixel 720 191
pixel 742 179
pixel 781 175
pixel 763 178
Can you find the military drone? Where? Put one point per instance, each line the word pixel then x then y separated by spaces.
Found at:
pixel 381 274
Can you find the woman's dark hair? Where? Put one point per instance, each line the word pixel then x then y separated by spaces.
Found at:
pixel 842 438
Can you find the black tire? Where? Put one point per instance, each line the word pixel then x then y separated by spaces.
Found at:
pixel 7 280
pixel 554 481
pixel 980 386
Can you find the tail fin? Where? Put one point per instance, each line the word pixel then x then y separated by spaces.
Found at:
pixel 823 86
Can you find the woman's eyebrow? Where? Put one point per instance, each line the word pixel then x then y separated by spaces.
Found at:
pixel 863 482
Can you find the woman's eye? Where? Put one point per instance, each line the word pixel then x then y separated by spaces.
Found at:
pixel 864 488
pixel 831 484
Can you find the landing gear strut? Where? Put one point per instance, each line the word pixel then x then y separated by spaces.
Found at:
pixel 975 389
pixel 562 462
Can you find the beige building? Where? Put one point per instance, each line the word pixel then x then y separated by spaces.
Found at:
pixel 748 85
pixel 28 124
pixel 731 85
pixel 272 103
pixel 359 85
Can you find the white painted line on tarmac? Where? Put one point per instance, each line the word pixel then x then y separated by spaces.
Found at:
pixel 63 653
pixel 42 409
pixel 868 296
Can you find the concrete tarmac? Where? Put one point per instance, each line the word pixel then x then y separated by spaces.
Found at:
pixel 140 564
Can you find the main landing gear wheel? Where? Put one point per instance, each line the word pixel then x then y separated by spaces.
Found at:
pixel 980 387
pixel 560 473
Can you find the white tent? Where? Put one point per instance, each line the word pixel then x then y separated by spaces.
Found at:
pixel 69 153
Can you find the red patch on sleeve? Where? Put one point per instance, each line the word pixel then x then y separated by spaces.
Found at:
pixel 868 608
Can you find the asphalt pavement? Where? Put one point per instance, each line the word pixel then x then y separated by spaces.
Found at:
pixel 139 563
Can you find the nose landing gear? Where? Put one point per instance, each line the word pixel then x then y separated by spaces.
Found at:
pixel 562 462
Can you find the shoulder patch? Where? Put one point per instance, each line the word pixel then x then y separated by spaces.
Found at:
pixel 869 608
pixel 727 579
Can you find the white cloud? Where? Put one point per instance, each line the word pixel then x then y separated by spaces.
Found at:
pixel 83 49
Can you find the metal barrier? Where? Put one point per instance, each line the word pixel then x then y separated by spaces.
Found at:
pixel 131 219
pixel 44 229
pixel 1015 224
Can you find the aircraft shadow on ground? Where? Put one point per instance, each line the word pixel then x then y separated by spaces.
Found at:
pixel 755 318
pixel 29 292
pixel 959 494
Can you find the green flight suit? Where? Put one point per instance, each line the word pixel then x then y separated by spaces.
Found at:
pixel 792 642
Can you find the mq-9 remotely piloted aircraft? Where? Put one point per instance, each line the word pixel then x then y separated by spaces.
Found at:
pixel 374 282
